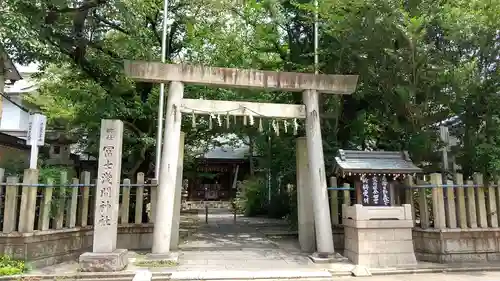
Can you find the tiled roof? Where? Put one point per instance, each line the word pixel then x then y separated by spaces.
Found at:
pixel 393 162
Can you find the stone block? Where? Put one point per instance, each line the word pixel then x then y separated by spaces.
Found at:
pixel 103 262
pixel 379 235
pixel 403 234
pixel 407 259
pixel 383 247
pixel 378 223
pixel 485 244
pixel 494 257
pixel 463 257
pixel 432 245
pixel 386 260
pixel 457 245
pixel 353 257
pixel 361 271
pixel 168 258
pixel 360 213
pixel 376 243
pixel 428 257
pixel 143 275
pixel 327 258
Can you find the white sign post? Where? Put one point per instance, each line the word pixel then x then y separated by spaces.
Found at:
pixel 35 136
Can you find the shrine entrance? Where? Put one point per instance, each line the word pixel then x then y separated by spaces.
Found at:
pixel 312 170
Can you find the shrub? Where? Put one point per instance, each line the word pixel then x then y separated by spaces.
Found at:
pixel 252 198
pixel 280 206
pixel 9 266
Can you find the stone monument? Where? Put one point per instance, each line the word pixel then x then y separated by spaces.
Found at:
pixel 377 233
pixel 104 256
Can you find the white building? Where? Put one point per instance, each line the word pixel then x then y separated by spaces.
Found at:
pixel 15 112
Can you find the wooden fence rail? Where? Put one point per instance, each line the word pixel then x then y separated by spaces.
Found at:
pixel 456 204
pixel 28 205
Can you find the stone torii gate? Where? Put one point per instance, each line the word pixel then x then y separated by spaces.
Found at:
pixel 178 74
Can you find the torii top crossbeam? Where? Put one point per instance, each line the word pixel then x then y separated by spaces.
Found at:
pixel 233 77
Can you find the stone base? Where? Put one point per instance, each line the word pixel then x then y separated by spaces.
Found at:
pixel 378 237
pixel 103 262
pixel 360 271
pixel 169 258
pixel 457 245
pixel 327 258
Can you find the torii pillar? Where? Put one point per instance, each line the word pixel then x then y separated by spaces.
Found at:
pixel 310 84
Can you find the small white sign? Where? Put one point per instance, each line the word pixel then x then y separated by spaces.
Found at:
pixel 36 130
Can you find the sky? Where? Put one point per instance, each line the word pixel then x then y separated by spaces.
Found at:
pixel 32 67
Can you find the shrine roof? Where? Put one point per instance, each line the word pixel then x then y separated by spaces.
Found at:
pixel 365 162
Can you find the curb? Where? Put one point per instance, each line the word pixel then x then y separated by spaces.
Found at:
pixel 251 275
pixel 433 270
pixel 83 276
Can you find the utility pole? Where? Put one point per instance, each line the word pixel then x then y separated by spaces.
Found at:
pixel 161 99
pixel 316 42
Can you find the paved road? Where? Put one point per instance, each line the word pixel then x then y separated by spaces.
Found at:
pixel 223 244
pixel 466 276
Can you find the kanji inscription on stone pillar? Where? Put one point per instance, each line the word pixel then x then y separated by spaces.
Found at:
pixel 108 186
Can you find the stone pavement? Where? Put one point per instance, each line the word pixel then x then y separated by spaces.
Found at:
pixel 224 244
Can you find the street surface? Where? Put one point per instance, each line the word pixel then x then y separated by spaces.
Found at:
pixel 452 276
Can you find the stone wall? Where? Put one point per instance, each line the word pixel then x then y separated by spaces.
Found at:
pixel 44 248
pixel 457 245
pixel 338 239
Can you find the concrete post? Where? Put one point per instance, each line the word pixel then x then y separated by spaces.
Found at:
pixel 305 213
pixel 105 256
pixel 28 201
pixel 10 205
pixel 44 219
pixel 334 202
pixel 317 176
pixel 168 173
pixel 174 240
pixel 85 198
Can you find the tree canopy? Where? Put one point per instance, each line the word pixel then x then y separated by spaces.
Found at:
pixel 419 62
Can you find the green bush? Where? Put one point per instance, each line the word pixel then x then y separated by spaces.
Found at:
pixel 9 266
pixel 280 206
pixel 252 198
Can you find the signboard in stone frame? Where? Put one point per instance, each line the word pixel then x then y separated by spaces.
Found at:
pixel 375 190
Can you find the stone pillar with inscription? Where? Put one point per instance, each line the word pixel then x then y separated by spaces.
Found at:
pixel 104 256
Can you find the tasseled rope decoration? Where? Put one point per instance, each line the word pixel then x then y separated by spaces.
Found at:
pixel 193 120
pixel 219 121
pixel 261 128
pixel 210 124
pixel 274 124
pixel 295 126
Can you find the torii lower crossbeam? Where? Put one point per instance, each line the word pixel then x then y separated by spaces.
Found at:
pixel 242 108
pixel 310 84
